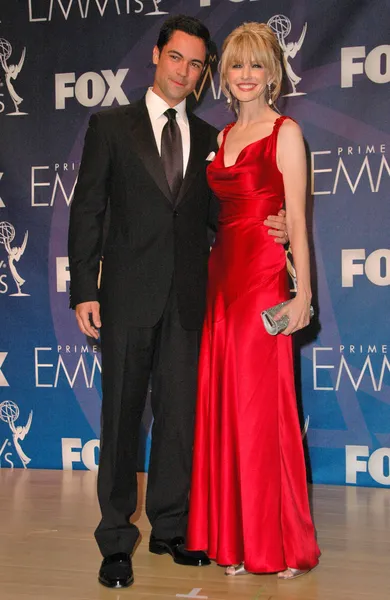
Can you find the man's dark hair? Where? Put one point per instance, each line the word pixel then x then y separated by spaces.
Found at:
pixel 189 25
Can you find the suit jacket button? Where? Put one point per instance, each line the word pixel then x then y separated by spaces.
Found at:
pixel 175 213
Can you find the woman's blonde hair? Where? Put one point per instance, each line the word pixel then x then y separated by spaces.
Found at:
pixel 252 42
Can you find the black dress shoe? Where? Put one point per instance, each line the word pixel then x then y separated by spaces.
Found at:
pixel 116 571
pixel 176 549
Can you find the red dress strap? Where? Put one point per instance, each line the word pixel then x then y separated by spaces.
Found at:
pixel 279 122
pixel 227 129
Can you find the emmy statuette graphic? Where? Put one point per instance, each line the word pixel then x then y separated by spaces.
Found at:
pixel 9 413
pixel 156 11
pixel 7 234
pixel 11 73
pixel 281 26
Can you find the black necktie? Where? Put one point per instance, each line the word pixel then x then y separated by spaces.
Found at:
pixel 172 152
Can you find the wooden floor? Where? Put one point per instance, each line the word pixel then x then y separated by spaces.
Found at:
pixel 47 550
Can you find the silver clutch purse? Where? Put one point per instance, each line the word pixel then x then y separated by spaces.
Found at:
pixel 274 327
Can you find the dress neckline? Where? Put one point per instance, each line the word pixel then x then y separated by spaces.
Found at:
pixel 266 137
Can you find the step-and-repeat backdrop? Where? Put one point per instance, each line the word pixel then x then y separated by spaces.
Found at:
pixel 61 60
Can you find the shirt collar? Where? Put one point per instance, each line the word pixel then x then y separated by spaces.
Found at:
pixel 157 106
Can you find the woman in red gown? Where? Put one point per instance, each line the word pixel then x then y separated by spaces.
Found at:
pixel 249 503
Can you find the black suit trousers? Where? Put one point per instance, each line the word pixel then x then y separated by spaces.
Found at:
pixel 168 354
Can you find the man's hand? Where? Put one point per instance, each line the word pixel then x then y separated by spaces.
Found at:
pixel 88 318
pixel 278 227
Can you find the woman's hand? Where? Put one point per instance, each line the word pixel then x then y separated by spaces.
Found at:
pixel 298 311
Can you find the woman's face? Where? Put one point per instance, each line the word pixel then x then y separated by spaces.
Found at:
pixel 247 80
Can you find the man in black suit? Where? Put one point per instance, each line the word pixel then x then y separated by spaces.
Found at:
pixel 148 160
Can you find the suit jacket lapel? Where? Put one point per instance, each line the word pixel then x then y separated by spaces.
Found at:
pixel 144 143
pixel 198 150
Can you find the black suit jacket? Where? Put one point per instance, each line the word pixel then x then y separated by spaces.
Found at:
pixel 149 241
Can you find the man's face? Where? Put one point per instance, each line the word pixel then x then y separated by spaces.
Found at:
pixel 179 66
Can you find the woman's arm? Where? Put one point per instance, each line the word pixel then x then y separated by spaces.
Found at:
pixel 291 160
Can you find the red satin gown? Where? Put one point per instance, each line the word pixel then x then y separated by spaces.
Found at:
pixel 249 499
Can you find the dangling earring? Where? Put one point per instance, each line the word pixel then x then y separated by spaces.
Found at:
pixel 228 96
pixel 269 94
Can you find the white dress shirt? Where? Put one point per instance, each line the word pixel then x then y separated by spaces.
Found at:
pixel 156 108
